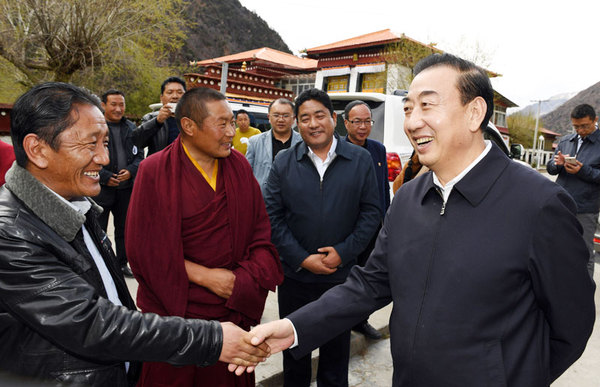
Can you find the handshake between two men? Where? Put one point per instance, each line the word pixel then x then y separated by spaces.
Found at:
pixel 244 352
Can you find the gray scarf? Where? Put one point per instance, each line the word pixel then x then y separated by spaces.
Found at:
pixel 61 217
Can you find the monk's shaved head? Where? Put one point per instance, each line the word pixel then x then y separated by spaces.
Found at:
pixel 193 105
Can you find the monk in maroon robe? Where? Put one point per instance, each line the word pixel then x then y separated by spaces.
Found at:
pixel 192 230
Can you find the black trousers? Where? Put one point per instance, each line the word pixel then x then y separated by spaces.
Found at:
pixel 333 356
pixel 115 201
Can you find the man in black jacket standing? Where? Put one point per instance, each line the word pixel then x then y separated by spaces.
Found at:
pixel 159 128
pixel 65 312
pixel 323 203
pixel 482 295
pixel 116 178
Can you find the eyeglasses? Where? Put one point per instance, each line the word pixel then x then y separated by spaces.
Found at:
pixel 359 122
pixel 278 116
pixel 583 126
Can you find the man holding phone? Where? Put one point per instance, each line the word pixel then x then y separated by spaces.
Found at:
pixel 577 164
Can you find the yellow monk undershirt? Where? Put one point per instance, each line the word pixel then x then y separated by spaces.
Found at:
pixel 212 181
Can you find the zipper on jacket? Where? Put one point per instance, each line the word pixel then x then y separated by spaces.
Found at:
pixel 443 210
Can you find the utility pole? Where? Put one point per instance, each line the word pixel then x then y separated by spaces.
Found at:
pixel 535 132
pixel 537 121
pixel 224 71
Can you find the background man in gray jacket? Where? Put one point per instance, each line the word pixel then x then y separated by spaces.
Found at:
pixel 65 312
pixel 263 148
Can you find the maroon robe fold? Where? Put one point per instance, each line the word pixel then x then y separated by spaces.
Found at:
pixel 175 215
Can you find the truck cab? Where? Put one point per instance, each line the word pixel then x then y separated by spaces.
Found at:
pixel 387 110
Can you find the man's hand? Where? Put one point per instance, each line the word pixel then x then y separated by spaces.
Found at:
pixel 238 350
pixel 278 335
pixel 559 158
pixel 573 168
pixel 113 181
pixel 314 263
pixel 219 281
pixel 332 260
pixel 164 113
pixel 123 175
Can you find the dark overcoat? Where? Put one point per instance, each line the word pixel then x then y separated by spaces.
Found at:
pixel 490 289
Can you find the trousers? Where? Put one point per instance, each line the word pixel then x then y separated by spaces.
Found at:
pixel 332 369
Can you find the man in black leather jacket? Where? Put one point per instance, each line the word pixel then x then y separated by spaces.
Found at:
pixel 159 128
pixel 65 312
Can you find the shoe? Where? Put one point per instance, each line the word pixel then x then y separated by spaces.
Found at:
pixel 126 271
pixel 367 329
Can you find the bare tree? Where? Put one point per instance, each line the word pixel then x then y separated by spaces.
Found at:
pixel 53 39
pixel 472 50
pixel 521 128
pixel 401 57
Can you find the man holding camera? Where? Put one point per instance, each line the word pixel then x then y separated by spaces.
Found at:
pixel 159 129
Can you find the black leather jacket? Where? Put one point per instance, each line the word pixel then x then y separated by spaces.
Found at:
pixel 133 155
pixel 151 134
pixel 56 322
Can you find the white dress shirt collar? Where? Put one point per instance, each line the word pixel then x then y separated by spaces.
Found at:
pixel 322 165
pixel 446 189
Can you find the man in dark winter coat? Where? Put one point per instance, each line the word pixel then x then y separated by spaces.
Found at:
pixel 481 296
pixel 116 178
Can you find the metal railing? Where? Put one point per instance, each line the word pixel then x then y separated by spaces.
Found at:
pixel 537 158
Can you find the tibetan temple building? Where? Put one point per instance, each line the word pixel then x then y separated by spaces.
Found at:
pixel 379 62
pixel 258 76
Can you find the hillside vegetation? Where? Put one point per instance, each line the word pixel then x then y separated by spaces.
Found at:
pixel 199 29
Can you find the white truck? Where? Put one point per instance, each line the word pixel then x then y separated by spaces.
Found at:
pixel 387 111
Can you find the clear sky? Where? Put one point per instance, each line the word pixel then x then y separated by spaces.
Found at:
pixel 541 48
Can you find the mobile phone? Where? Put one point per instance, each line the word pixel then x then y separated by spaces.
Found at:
pixel 570 160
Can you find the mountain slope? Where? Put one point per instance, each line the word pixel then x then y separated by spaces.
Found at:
pixel 546 106
pixel 559 120
pixel 224 27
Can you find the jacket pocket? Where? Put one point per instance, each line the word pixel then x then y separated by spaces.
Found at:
pixel 495 364
pixel 113 375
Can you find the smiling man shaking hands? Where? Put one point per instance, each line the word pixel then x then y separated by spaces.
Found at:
pixel 481 296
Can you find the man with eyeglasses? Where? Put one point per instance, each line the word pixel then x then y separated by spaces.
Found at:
pixel 577 164
pixel 263 148
pixel 358 122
